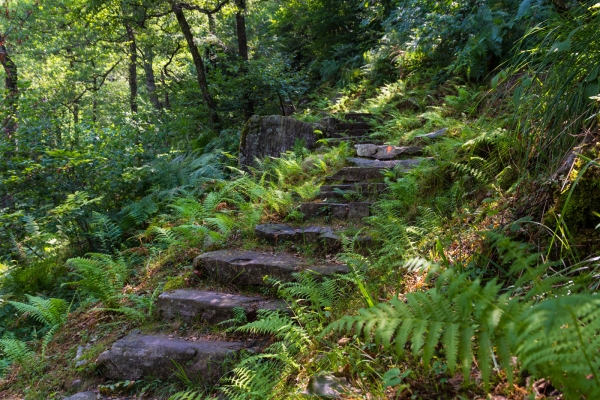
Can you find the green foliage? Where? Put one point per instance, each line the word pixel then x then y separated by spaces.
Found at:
pixel 52 313
pixel 191 394
pixel 100 276
pixel 16 351
pixel 547 328
pixel 311 300
pixel 558 79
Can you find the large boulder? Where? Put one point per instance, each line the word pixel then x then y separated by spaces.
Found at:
pixel 273 135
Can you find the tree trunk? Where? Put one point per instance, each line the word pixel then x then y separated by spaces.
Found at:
pixel 198 63
pixel 95 101
pixel 76 112
pixel 240 20
pixel 150 81
pixel 12 79
pixel 133 87
pixel 243 52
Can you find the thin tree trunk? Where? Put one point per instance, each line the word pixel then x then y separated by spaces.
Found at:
pixel 212 24
pixel 167 102
pixel 133 87
pixel 212 29
pixel 240 20
pixel 12 79
pixel 198 63
pixel 243 52
pixel 76 112
pixel 150 81
pixel 94 100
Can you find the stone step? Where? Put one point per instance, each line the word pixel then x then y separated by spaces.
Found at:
pixel 137 356
pixel 432 135
pixel 249 267
pixel 89 395
pixel 344 126
pixel 354 139
pixel 350 211
pixel 325 236
pixel 357 174
pixel 355 132
pixel 386 152
pixel 370 163
pixel 364 189
pixel 212 307
pixel 358 116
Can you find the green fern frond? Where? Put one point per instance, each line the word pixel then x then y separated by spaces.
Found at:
pixel 16 351
pixel 560 339
pixel 107 231
pixel 102 277
pixel 188 395
pixel 451 317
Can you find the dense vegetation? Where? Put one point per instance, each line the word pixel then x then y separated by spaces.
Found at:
pixel 120 125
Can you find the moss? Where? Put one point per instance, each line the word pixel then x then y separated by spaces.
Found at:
pixel 176 282
pixel 584 201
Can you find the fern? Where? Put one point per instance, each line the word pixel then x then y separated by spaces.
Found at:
pixel 102 277
pixel 455 314
pixel 560 338
pixel 50 312
pixel 189 395
pixel 16 351
pixel 137 213
pixel 255 378
pixel 106 231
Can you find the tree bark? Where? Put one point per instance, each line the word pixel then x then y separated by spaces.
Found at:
pixel 243 52
pixel 76 112
pixel 133 87
pixel 241 29
pixel 150 80
pixel 198 63
pixel 95 89
pixel 12 80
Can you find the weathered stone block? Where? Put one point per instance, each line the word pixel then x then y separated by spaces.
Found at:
pixel 209 306
pixel 358 210
pixel 279 233
pixel 339 211
pixel 137 356
pixel 385 152
pixel 369 163
pixel 249 267
pixel 366 189
pixel 357 174
pixel 273 135
pixel 85 396
pixel 312 209
pixel 433 135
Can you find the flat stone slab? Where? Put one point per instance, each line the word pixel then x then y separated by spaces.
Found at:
pixel 284 233
pixel 385 152
pixel 353 139
pixel 137 356
pixel 352 210
pixel 213 307
pixel 360 117
pixel 433 135
pixel 85 396
pixel 370 163
pixel 367 189
pixel 357 174
pixel 343 126
pixel 249 267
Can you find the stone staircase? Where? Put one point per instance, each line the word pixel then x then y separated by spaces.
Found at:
pixel 347 195
pixel 354 188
